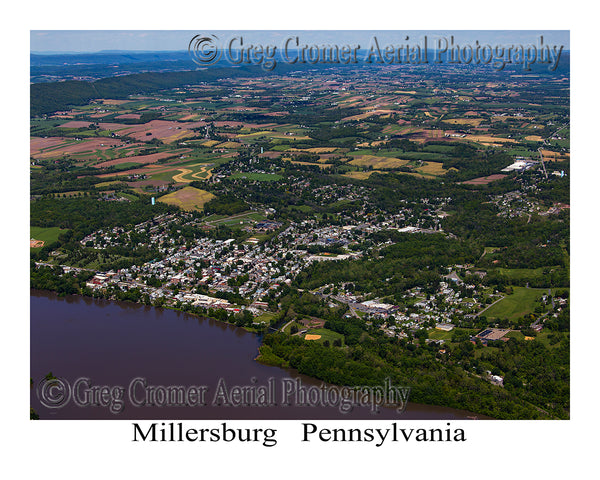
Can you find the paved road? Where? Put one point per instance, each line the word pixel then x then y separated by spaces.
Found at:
pixel 541 317
pixel 282 328
pixel 501 298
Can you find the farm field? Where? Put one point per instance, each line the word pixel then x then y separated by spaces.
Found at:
pixel 313 150
pixel 109 184
pixel 179 172
pixel 197 171
pixel 165 130
pixel 57 147
pixel 187 198
pixel 488 140
pixel 296 162
pixel 485 180
pixel 393 129
pixel 358 175
pixel 550 155
pixel 473 122
pixel 144 159
pixel 440 335
pixel 378 161
pixel 362 116
pixel 431 168
pixel 269 134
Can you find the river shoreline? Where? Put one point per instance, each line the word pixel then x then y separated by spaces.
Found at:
pixel 413 410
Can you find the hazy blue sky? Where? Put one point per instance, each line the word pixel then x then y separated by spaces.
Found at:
pixel 97 40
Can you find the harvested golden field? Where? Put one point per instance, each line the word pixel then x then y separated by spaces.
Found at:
pixel 110 101
pixel 362 116
pixel 488 139
pixel 375 143
pixel 432 168
pixel 378 162
pixel 361 175
pixel 256 134
pixel 314 150
pixel 474 122
pixel 320 165
pixel 271 134
pixel 228 145
pixel 534 138
pixel 549 155
pixel 188 198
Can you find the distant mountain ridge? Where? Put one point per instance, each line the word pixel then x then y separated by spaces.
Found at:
pixel 82 77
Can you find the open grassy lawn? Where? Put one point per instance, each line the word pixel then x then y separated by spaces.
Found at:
pixel 47 235
pixel 521 302
pixel 265 317
pixel 436 334
pixel 516 335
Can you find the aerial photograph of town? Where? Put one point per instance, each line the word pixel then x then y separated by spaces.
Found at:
pixel 255 224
